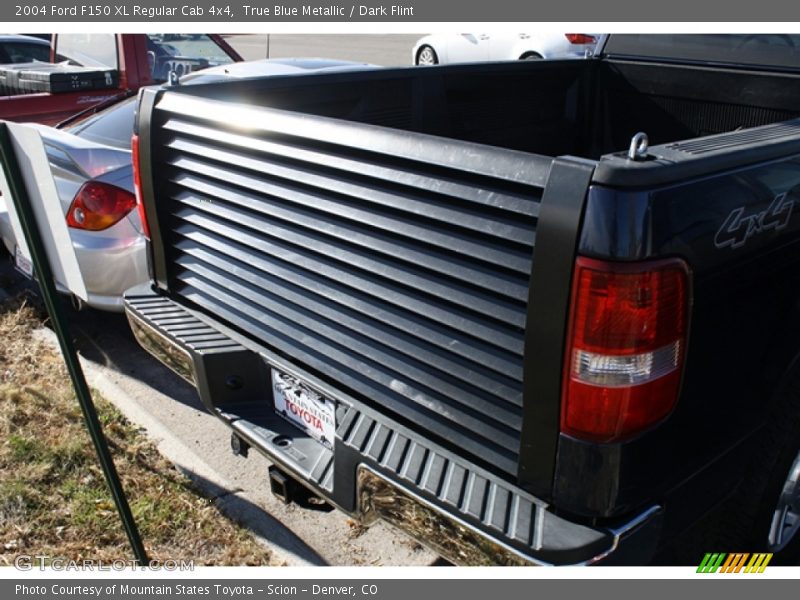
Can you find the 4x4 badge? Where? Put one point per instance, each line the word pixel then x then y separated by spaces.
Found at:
pixel 737 229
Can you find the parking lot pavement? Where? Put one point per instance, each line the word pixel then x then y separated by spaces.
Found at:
pixel 387 50
pixel 164 405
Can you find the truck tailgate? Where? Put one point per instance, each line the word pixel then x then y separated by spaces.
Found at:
pixel 395 264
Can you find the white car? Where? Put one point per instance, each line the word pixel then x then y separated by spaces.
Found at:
pixel 92 171
pixel 445 48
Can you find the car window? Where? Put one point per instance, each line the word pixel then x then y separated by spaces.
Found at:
pixel 22 52
pixel 182 53
pixel 88 49
pixel 112 126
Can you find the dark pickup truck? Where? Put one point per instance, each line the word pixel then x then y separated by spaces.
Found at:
pixel 478 302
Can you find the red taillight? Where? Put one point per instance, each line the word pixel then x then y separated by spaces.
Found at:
pixel 580 38
pixel 98 206
pixel 137 185
pixel 627 340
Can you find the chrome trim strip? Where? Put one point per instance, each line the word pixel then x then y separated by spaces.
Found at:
pixel 455 540
pixel 163 348
pixel 626 530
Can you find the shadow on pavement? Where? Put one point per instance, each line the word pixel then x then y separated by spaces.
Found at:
pixel 254 518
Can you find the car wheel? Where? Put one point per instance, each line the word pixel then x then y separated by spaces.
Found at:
pixel 531 56
pixel 427 56
pixel 785 521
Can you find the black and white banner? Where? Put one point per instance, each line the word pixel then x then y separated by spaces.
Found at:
pixel 396 11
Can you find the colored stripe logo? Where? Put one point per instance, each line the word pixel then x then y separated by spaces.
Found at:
pixel 714 562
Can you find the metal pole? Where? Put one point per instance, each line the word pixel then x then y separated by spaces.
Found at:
pixel 41 267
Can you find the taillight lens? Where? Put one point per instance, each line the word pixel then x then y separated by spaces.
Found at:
pixel 580 38
pixel 98 206
pixel 137 185
pixel 627 341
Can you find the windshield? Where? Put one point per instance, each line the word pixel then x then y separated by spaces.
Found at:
pixel 182 53
pixel 112 127
pixel 22 51
pixel 763 50
pixel 88 49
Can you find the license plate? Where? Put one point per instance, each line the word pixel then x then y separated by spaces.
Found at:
pixel 23 263
pixel 303 407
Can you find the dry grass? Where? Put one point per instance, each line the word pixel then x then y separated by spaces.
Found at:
pixel 53 497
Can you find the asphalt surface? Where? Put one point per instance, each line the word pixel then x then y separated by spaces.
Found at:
pixel 387 50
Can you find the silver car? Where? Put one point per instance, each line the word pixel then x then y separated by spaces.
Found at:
pixel 91 167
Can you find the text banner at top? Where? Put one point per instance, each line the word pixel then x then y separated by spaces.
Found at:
pixel 396 11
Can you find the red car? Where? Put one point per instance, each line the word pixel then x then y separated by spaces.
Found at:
pixel 128 61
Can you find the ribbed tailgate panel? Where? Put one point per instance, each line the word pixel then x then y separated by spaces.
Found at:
pixel 403 281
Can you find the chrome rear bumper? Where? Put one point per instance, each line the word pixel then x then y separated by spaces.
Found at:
pixel 378 469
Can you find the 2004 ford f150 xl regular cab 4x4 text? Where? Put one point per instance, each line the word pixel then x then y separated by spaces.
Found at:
pixel 477 302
